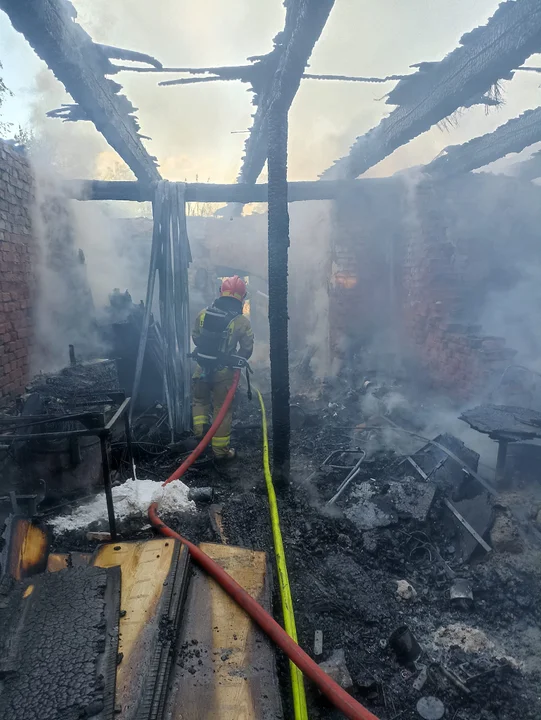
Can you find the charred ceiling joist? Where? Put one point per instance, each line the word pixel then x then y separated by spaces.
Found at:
pixel 281 74
pixel 529 169
pixel 82 65
pixel 512 137
pixel 465 77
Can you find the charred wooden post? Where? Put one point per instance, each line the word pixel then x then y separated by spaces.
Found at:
pixel 278 245
pixel 282 70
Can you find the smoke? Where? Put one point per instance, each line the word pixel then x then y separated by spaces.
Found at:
pixel 514 315
pixel 191 126
pixel 63 305
pixel 310 263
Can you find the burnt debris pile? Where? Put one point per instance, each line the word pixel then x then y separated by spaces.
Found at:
pixel 414 579
pixel 414 571
pixel 59 437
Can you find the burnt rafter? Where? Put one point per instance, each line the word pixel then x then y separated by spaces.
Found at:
pixel 278 75
pixel 528 169
pixel 467 75
pixel 512 137
pixel 81 65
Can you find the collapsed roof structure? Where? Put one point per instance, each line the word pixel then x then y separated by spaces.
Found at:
pixel 83 67
pixel 469 75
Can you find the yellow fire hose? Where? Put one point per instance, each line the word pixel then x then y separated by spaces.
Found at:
pixel 297 682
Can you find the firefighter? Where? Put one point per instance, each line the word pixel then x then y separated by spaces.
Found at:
pixel 220 332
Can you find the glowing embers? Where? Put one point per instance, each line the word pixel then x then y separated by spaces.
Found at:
pixel 343 280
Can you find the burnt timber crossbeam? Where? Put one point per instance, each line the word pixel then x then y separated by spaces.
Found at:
pixel 529 169
pixel 486 55
pixel 284 68
pixel 512 137
pixel 209 192
pixel 81 65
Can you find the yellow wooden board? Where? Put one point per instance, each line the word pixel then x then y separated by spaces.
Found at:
pixel 61 561
pixel 57 561
pixel 145 568
pixel 226 667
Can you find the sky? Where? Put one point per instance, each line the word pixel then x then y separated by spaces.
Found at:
pixel 195 129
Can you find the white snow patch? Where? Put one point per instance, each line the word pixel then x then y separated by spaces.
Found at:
pixel 130 500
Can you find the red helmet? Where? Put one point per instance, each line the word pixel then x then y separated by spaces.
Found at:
pixel 233 287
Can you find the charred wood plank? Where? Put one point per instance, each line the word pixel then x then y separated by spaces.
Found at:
pixel 484 56
pixel 284 68
pixel 209 192
pixel 81 66
pixel 278 247
pixel 512 137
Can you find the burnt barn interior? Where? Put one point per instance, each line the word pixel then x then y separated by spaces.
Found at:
pixel 374 550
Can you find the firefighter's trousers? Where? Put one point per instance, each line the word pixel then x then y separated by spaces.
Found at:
pixel 208 395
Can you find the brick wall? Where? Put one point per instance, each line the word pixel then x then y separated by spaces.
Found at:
pixel 17 250
pixel 415 270
pixel 436 293
pixel 363 293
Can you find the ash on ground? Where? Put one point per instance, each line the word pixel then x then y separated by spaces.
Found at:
pixel 388 559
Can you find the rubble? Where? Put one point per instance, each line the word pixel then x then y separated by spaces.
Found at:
pixel 460 593
pixel 370 511
pixel 336 668
pixel 504 535
pixel 430 708
pixel 389 555
pixel 379 505
pixel 405 591
pixel 99 536
pixel 469 639
pixel 318 642
pixel 474 517
pixel 405 645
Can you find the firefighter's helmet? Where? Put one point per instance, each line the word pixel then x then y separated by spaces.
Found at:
pixel 233 287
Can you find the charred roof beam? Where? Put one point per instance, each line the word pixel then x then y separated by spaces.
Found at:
pixel 279 75
pixel 81 65
pixel 486 55
pixel 528 169
pixel 512 137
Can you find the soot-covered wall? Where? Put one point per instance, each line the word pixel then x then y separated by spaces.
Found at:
pixel 420 268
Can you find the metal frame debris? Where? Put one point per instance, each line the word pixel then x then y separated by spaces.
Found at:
pixel 96 427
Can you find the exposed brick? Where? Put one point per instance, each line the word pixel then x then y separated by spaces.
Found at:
pixel 16 277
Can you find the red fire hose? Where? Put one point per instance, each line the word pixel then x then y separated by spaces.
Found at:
pixel 339 697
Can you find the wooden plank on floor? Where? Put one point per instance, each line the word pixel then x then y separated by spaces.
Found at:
pixel 149 578
pixel 57 561
pixel 61 561
pixel 226 666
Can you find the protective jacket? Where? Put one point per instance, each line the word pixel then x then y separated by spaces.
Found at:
pixel 219 332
